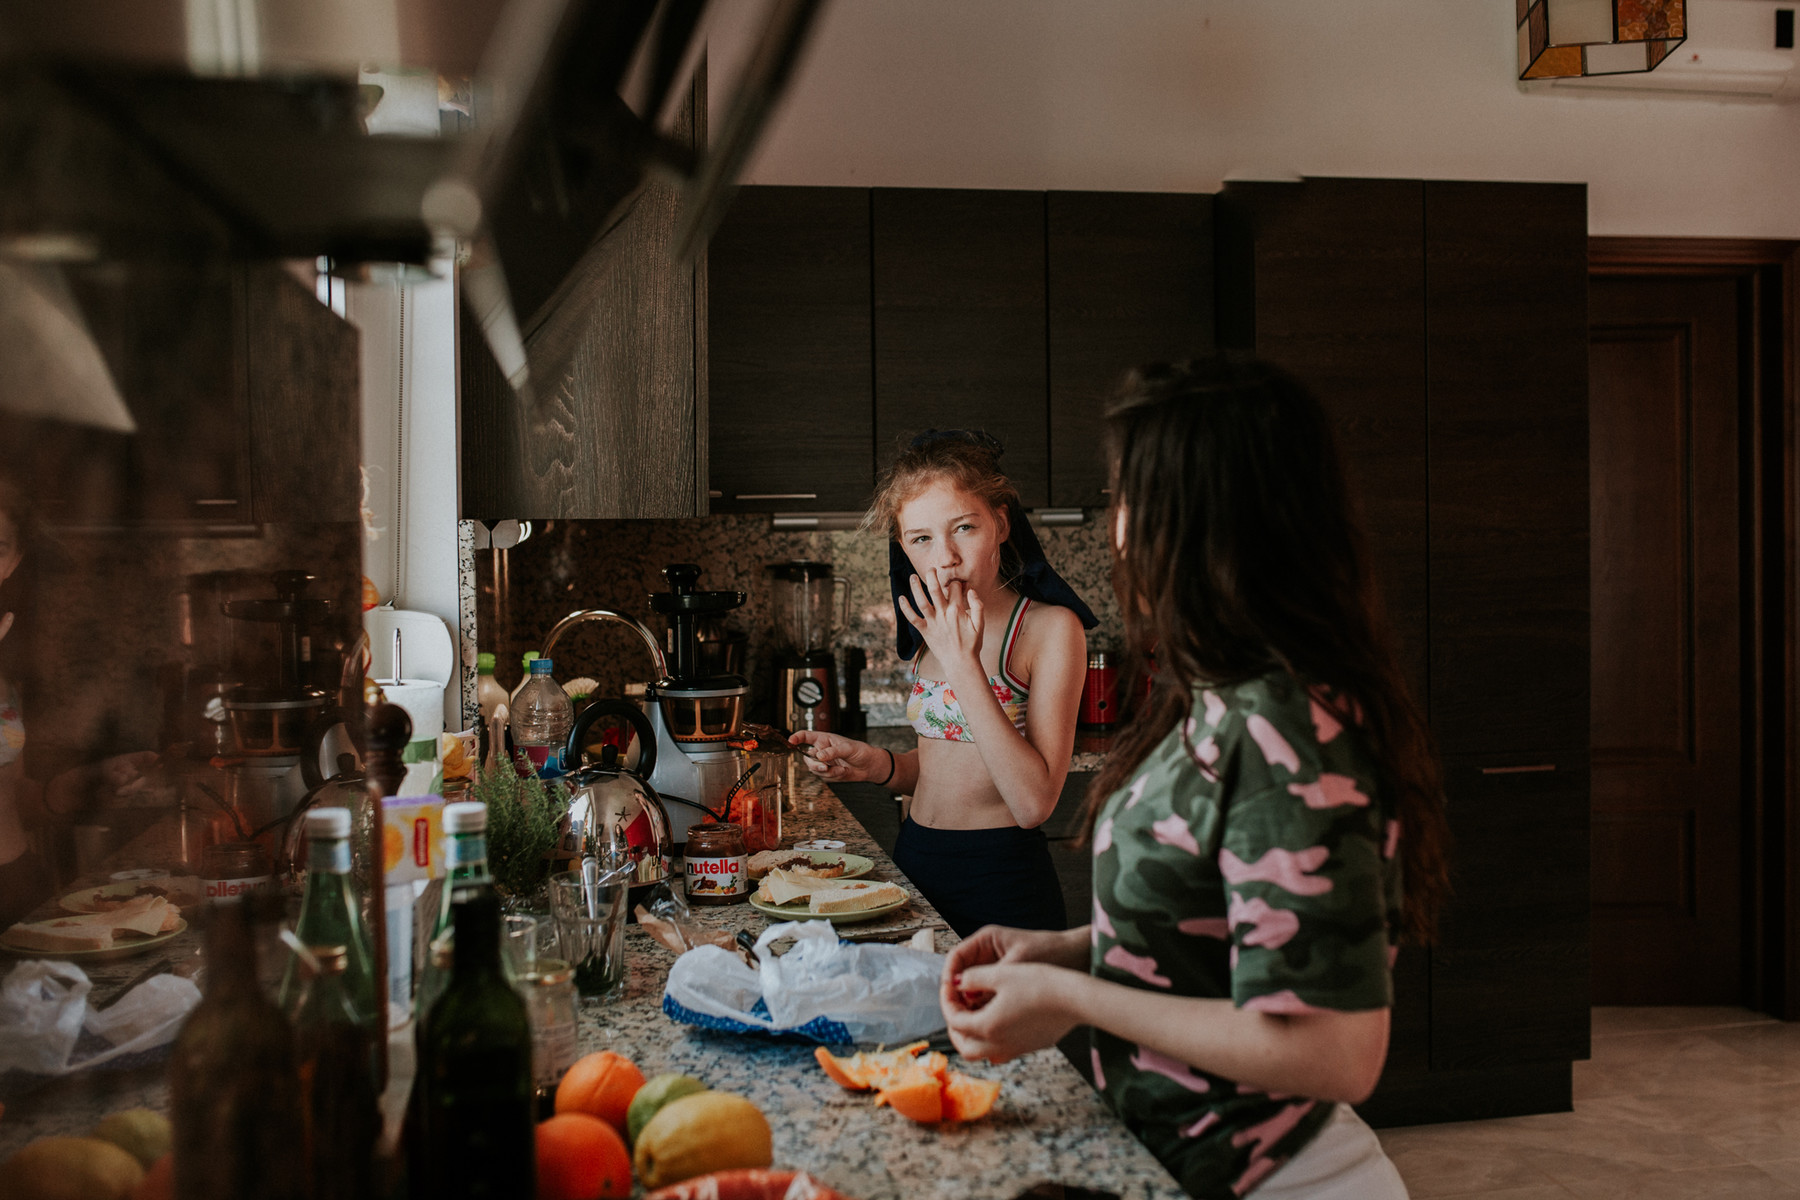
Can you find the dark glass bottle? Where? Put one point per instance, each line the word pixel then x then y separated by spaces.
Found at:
pixel 234 1090
pixel 476 1094
pixel 334 1043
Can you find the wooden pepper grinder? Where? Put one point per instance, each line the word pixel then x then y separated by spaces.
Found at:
pixel 390 729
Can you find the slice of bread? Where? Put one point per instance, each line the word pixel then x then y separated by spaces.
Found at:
pixel 764 861
pixel 145 916
pixel 855 896
pixel 785 887
pixel 55 938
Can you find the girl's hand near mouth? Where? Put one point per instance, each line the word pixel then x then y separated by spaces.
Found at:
pixel 950 618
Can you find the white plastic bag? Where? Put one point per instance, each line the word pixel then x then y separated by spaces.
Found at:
pixel 41 1007
pixel 822 989
pixel 44 1006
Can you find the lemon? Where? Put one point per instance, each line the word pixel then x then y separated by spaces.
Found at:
pixel 702 1132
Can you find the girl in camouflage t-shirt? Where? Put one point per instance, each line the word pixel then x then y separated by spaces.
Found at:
pixel 1269 822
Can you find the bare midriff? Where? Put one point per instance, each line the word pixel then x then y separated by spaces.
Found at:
pixel 955 790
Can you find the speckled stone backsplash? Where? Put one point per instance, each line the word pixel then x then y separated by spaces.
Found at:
pixel 566 565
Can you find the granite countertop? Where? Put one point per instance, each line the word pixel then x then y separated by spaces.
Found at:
pixel 1048 1124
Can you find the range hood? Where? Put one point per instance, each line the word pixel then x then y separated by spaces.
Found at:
pixel 200 128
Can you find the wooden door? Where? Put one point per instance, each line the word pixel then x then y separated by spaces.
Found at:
pixel 1130 281
pixel 959 322
pixel 1667 665
pixel 792 403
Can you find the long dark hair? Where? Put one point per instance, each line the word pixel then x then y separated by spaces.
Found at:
pixel 1243 555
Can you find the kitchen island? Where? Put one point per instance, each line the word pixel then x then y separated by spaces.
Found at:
pixel 1047 1124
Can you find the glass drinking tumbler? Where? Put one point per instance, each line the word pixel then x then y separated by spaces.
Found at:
pixel 590 932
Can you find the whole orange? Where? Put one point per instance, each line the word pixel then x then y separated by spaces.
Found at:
pixel 600 1085
pixel 581 1158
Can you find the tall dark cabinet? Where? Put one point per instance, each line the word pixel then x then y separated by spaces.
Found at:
pixel 1444 326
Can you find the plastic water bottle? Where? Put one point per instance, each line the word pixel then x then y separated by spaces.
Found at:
pixel 541 719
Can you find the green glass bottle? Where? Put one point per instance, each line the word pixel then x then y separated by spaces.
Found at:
pixel 234 1092
pixel 475 1069
pixel 465 865
pixel 334 1044
pixel 331 917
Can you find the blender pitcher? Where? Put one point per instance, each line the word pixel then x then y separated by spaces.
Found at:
pixel 801 598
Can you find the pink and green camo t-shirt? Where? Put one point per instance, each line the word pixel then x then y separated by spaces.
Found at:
pixel 1252 857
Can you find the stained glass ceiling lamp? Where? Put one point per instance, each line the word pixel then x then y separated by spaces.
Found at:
pixel 1560 39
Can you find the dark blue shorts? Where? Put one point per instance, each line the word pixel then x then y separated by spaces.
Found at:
pixel 977 877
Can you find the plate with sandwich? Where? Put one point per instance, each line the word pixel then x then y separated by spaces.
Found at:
pixel 821 864
pixel 183 891
pixel 787 896
pixel 133 927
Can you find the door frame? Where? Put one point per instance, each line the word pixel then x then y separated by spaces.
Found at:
pixel 1768 275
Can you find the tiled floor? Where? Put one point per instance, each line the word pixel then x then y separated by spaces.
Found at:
pixel 1676 1104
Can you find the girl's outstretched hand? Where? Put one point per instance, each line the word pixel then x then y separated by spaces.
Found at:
pixel 840 759
pixel 949 617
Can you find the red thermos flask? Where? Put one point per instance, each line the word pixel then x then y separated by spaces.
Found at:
pixel 1100 692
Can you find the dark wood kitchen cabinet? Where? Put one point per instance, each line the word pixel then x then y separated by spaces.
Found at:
pixel 1327 280
pixel 791 373
pixel 959 322
pixel 244 391
pixel 614 423
pixel 1129 281
pixel 1506 314
pixel 1443 325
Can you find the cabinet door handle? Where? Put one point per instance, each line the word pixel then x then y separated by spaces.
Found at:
pixel 776 496
pixel 714 494
pixel 217 503
pixel 1534 768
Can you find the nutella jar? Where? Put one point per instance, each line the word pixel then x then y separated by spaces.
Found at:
pixel 716 871
pixel 230 869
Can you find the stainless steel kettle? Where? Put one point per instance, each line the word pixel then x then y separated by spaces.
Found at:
pixel 613 813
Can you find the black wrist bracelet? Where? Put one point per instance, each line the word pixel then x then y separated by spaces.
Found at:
pixel 892 763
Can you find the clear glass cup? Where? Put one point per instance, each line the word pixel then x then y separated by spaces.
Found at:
pixel 590 933
pixel 550 1002
pixel 519 944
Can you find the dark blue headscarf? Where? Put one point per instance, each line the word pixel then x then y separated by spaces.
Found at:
pixel 1037 579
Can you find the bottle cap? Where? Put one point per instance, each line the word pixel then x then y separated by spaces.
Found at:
pixel 484 662
pixel 541 666
pixel 328 823
pixel 465 816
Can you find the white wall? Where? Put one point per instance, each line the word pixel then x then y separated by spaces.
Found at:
pixel 1175 95
pixel 410 449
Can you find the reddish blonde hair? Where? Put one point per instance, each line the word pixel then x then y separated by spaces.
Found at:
pixel 967 458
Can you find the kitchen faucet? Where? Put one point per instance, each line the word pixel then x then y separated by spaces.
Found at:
pixel 581 616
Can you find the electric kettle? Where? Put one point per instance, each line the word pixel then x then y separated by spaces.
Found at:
pixel 613 813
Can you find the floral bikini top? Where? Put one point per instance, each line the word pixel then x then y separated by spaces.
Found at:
pixel 934 710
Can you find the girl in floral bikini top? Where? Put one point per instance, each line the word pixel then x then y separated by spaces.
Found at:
pixel 989 768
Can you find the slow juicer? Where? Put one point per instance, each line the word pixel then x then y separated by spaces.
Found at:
pixel 693 716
